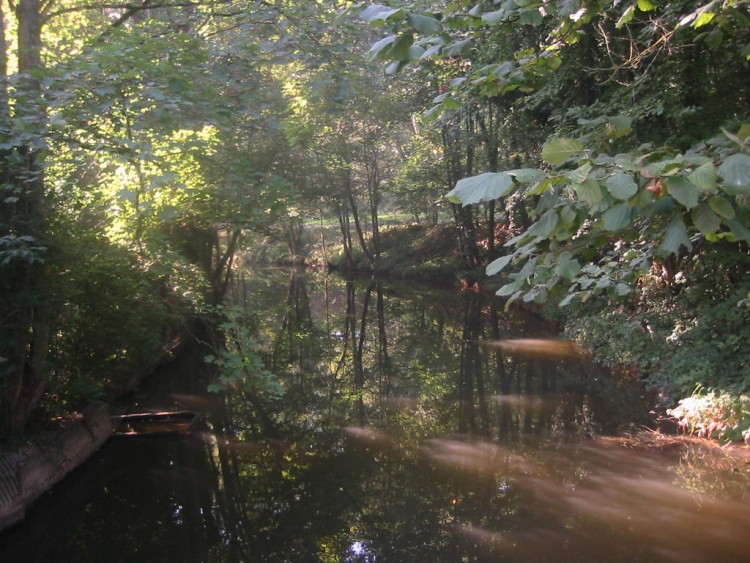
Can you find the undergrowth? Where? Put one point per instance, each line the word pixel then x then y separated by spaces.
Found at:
pixel 711 413
pixel 677 338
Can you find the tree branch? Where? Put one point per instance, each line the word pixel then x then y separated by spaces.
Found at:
pixel 130 8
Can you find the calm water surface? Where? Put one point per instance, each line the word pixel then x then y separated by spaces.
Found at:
pixel 417 425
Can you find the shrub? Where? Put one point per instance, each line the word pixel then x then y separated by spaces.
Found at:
pixel 680 337
pixel 713 413
pixel 113 320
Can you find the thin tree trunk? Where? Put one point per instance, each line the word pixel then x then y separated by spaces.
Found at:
pixel 357 224
pixel 346 235
pixel 221 273
pixel 373 191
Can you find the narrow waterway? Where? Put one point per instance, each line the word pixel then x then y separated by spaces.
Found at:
pixel 417 425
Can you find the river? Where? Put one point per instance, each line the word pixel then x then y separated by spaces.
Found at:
pixel 417 425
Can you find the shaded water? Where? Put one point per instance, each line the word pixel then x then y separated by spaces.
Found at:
pixel 416 426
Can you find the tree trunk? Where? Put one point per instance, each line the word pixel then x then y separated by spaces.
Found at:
pixel 463 216
pixel 221 272
pixel 357 223
pixel 294 239
pixel 25 316
pixel 373 192
pixel 489 128
pixel 346 235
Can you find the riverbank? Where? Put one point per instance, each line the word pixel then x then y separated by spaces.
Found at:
pixel 44 459
pixel 44 456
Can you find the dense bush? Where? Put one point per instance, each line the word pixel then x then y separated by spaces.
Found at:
pixel 681 336
pixel 114 317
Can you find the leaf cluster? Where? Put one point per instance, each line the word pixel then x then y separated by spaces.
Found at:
pixel 240 358
pixel 603 219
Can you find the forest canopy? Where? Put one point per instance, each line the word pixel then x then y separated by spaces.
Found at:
pixel 580 152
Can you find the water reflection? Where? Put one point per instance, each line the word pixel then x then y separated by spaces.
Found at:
pixel 417 426
pixel 537 347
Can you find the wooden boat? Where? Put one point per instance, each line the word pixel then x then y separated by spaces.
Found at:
pixel 155 423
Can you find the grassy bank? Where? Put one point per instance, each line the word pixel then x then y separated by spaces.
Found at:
pixel 414 252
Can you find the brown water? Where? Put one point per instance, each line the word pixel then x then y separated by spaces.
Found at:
pixel 417 426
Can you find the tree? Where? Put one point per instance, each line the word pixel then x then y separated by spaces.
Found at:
pixel 116 116
pixel 25 314
pixel 349 125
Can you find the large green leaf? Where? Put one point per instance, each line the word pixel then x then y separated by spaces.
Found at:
pixel 622 289
pixel 400 49
pixel 706 220
pixel 617 217
pixel 589 191
pixel 622 185
pixel 626 17
pixel 570 298
pixel 432 50
pixel 661 167
pixel 496 16
pixel 704 18
pixel 676 236
pixel 457 48
pixel 743 191
pixel 567 267
pixel 580 174
pixel 721 206
pixel 739 229
pixel 568 7
pixel 377 14
pixel 683 191
pixel 510 288
pixel 704 177
pixel 425 25
pixel 736 170
pixel 382 48
pixel 545 226
pixel 530 17
pixel 484 187
pixel 557 151
pixel 540 188
pixel 527 175
pixel 499 264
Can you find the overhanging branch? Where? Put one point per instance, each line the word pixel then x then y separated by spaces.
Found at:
pixel 129 8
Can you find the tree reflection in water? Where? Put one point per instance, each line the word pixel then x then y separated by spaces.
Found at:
pixel 416 426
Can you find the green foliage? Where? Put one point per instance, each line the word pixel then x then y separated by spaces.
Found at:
pixel 22 248
pixel 112 321
pixel 485 187
pixel 657 203
pixel 631 177
pixel 418 185
pixel 679 340
pixel 240 357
